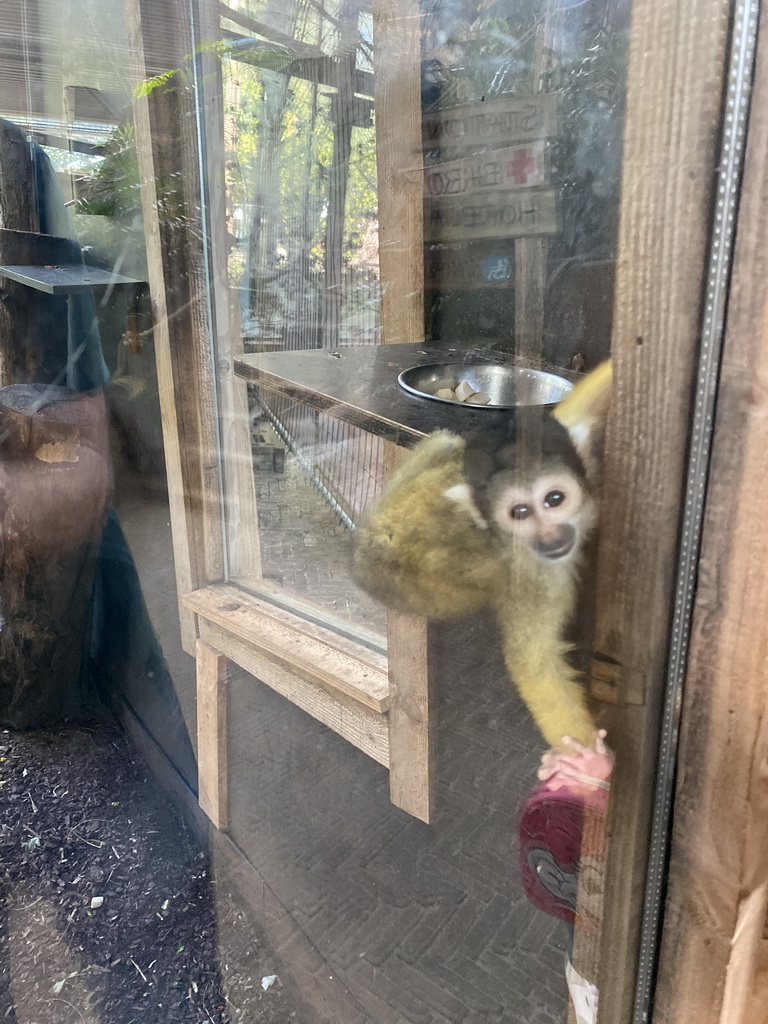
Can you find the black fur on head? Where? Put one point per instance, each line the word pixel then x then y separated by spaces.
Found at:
pixel 528 444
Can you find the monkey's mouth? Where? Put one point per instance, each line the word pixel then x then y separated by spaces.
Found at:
pixel 559 548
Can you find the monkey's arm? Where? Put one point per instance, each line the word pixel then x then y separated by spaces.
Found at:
pixel 535 657
pixel 421 550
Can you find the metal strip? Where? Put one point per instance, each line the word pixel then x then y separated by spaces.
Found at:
pixel 740 72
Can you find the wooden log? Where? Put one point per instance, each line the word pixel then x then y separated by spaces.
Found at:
pixel 54 487
pixel 18 209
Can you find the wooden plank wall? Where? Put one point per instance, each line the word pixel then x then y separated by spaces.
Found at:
pixel 674 95
pixel 719 860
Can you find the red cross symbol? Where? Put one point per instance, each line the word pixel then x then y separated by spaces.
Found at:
pixel 521 165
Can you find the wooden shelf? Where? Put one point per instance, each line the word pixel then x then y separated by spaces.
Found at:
pixel 67 278
pixel 359 385
pixel 351 674
pixel 342 684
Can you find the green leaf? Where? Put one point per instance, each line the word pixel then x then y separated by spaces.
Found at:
pixel 148 86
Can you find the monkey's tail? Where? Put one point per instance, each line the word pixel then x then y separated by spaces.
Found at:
pixel 587 404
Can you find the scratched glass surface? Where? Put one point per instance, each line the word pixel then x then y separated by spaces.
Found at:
pixel 519 165
pixel 343 175
pixel 480 143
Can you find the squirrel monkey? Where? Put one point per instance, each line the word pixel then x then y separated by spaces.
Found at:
pixel 499 521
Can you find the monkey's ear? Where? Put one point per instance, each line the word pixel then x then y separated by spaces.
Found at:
pixel 583 411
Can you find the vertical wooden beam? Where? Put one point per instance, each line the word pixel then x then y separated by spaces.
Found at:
pixel 242 529
pixel 397 50
pixel 212 685
pixel 167 148
pixel 397 53
pixel 338 173
pixel 674 95
pixel 531 253
pixel 410 730
pixel 719 851
pixel 530 288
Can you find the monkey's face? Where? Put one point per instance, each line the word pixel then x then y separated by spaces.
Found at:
pixel 529 485
pixel 550 512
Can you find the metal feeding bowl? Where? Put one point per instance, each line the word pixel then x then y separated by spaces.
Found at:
pixel 504 387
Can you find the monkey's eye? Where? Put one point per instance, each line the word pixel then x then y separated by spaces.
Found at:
pixel 553 499
pixel 520 511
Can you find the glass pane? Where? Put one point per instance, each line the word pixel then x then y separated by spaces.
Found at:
pixel 431 184
pixel 264 250
pixel 302 203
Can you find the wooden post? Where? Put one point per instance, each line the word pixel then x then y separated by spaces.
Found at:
pixel 212 779
pixel 397 81
pixel 338 173
pixel 242 527
pixel 714 953
pixel 167 149
pixel 410 730
pixel 398 148
pixel 672 119
pixel 531 253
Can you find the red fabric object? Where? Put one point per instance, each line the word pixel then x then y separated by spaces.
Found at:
pixel 561 831
pixel 549 829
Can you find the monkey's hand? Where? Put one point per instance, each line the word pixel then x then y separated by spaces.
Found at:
pixel 576 767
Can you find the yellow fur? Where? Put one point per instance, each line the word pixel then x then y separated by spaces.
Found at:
pixel 424 550
pixel 583 413
pixel 533 619
pixel 399 556
pixel 588 401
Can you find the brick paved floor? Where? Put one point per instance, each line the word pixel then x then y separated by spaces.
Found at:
pixel 418 924
pixel 375 917
pixel 304 546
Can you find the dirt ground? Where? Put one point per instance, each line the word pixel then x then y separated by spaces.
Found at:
pixel 108 913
